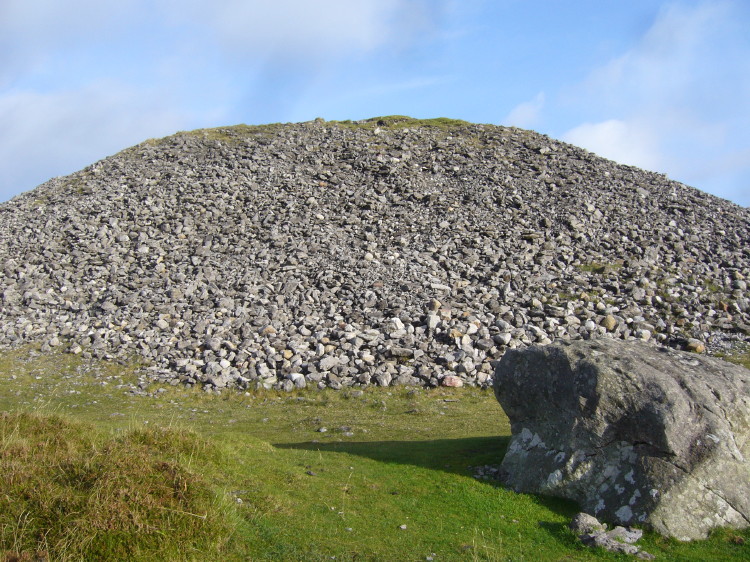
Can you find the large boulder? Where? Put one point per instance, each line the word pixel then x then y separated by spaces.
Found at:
pixel 633 433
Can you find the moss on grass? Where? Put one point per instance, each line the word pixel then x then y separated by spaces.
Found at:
pixel 236 133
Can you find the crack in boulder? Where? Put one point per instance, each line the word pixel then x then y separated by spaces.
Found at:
pixel 631 480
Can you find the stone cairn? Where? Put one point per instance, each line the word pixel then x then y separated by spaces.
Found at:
pixel 387 251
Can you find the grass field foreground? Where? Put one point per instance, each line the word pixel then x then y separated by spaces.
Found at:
pixel 88 470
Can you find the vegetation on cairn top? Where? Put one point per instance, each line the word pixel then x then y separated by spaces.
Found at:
pixel 236 133
pixel 403 122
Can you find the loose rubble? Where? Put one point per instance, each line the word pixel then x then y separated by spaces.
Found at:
pixel 487 472
pixel 382 252
pixel 620 539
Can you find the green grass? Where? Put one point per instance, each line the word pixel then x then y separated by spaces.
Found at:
pixel 98 473
pixel 740 355
pixel 229 134
pixel 71 493
pixel 402 122
pixel 237 132
pixel 599 268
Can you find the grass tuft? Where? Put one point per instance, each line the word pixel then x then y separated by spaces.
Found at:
pixel 391 478
pixel 71 493
pixel 402 122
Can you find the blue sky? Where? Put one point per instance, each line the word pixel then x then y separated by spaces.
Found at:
pixel 664 85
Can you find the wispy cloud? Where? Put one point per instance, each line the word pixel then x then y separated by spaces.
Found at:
pixel 57 133
pixel 682 90
pixel 300 29
pixel 387 88
pixel 625 142
pixel 526 114
pixel 35 32
pixel 84 78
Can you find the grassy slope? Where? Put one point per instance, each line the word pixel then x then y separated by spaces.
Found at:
pixel 264 481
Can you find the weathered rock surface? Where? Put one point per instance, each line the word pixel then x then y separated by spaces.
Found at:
pixel 635 434
pixel 620 539
pixel 382 252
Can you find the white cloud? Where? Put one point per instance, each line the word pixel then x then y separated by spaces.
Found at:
pixel 677 101
pixel 386 88
pixel 39 22
pixel 526 114
pixel 252 33
pixel 45 135
pixel 670 62
pixel 627 143
pixel 84 78
pixel 302 28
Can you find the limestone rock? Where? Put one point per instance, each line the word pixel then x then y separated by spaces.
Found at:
pixel 585 524
pixel 620 539
pixel 333 249
pixel 452 381
pixel 635 434
pixel 609 322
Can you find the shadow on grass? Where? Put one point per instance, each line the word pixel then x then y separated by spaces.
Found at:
pixel 450 455
pixel 457 456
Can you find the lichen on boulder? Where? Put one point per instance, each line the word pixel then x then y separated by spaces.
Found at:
pixel 634 434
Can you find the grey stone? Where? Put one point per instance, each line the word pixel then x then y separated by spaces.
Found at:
pixel 247 246
pixel 402 352
pixel 635 434
pixel 603 540
pixel 583 523
pixel 620 539
pixel 383 379
pixel 328 363
pixel 433 321
pixel 298 379
pixel 503 338
pixel 214 344
pixel 627 535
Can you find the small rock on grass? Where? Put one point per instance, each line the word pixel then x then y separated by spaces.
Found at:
pixel 453 381
pixel 592 532
pixel 585 523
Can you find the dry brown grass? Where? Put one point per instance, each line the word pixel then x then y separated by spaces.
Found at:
pixel 67 493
